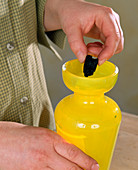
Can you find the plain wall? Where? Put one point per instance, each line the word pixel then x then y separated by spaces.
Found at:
pixel 125 92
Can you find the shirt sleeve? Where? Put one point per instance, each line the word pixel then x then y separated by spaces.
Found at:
pixel 57 37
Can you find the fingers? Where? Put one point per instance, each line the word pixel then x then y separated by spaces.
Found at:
pixel 105 27
pixel 108 51
pixel 94 48
pixel 114 38
pixel 73 154
pixel 111 32
pixel 76 42
pixel 121 43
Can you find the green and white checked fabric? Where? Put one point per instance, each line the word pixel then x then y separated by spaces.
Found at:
pixel 23 93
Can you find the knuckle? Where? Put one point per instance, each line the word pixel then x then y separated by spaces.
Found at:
pixel 72 152
pixel 47 137
pixel 109 10
pixel 117 37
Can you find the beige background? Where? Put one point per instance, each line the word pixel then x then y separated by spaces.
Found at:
pixel 125 93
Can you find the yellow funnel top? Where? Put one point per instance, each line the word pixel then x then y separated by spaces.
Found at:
pixel 101 81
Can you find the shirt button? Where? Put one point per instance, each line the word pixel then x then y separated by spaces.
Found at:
pixel 10 46
pixel 24 100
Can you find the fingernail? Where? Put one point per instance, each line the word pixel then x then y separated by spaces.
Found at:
pixel 101 62
pixel 95 167
pixel 81 56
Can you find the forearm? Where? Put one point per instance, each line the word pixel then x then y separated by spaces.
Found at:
pixel 51 17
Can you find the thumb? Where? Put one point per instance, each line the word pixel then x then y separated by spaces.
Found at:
pixel 75 155
pixel 76 42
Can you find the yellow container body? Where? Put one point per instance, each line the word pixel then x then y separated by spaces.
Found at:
pixel 89 119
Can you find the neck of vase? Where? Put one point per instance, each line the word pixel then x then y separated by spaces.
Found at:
pixel 89 98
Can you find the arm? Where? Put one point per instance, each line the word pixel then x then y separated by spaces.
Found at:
pixel 78 18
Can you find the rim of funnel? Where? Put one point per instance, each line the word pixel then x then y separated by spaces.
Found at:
pixel 91 78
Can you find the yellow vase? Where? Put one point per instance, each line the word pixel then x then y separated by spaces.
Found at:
pixel 87 118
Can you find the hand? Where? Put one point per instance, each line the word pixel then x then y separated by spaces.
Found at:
pixel 31 148
pixel 79 18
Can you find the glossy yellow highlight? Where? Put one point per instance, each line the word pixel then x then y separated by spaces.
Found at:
pixel 88 118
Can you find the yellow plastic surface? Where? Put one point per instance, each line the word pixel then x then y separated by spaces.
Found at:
pixel 89 119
